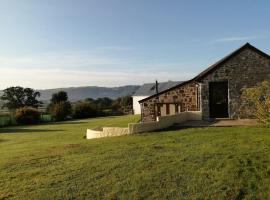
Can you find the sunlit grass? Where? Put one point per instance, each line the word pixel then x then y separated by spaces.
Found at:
pixel 54 161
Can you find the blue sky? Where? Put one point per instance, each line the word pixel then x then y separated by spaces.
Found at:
pixel 63 43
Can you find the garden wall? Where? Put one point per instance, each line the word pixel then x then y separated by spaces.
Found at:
pixel 161 123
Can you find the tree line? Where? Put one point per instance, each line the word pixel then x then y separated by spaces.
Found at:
pixel 23 103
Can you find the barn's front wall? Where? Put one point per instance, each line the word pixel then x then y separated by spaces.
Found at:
pixel 245 69
pixel 186 96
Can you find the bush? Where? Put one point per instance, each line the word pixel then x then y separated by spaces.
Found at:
pixel 27 115
pixel 84 110
pixel 256 100
pixel 61 111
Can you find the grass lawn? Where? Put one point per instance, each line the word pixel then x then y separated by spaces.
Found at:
pixel 54 161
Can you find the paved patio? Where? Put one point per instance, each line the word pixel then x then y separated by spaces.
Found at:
pixel 219 123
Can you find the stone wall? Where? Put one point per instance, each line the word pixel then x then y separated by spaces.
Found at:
pixel 106 132
pixel 164 122
pixel 133 128
pixel 245 69
pixel 184 95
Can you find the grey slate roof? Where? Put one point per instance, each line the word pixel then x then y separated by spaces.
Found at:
pixel 149 89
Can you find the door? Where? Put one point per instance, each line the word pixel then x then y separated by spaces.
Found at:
pixel 218 99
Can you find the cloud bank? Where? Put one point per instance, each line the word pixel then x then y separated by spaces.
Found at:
pixel 57 78
pixel 83 68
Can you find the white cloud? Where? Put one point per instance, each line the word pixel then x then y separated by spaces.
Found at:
pixel 59 60
pixel 241 38
pixel 53 78
pixel 83 68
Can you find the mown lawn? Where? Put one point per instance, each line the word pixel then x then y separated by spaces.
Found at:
pixel 54 161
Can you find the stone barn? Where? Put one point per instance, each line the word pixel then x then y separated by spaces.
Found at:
pixel 148 89
pixel 216 92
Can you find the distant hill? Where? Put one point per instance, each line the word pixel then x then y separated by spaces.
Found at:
pixel 79 93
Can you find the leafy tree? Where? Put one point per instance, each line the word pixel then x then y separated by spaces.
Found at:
pixel 59 96
pixel 16 97
pixel 104 103
pixel 123 104
pixel 61 111
pixel 60 107
pixel 84 110
pixel 90 100
pixel 256 101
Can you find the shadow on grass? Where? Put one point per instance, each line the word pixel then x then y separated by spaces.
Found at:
pixel 62 122
pixel 67 122
pixel 3 140
pixel 80 121
pixel 192 125
pixel 26 130
pixel 172 128
pixel 177 127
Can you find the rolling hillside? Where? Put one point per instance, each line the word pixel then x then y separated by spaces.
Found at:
pixel 78 93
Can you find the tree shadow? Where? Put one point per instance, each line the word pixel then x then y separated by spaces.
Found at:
pixel 172 128
pixel 188 125
pixel 26 130
pixel 63 122
pixel 3 140
pixel 78 121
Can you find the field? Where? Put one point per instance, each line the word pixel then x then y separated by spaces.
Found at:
pixel 54 161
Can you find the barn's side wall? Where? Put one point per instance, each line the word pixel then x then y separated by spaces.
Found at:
pixel 245 69
pixel 184 95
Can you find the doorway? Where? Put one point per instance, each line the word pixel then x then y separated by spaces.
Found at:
pixel 218 99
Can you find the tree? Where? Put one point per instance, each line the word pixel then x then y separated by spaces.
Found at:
pixel 59 96
pixel 256 101
pixel 61 111
pixel 84 110
pixel 123 104
pixel 104 103
pixel 17 97
pixel 60 107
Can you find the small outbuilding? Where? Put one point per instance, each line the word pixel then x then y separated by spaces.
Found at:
pixel 216 91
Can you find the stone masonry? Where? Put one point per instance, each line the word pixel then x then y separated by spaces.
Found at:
pixel 245 69
pixel 185 95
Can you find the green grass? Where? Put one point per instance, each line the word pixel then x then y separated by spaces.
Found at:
pixel 54 161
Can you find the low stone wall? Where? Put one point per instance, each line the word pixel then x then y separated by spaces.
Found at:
pixel 106 132
pixel 161 123
pixel 90 134
pixel 164 122
pixel 115 131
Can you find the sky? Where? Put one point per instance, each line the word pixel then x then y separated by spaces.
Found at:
pixel 69 43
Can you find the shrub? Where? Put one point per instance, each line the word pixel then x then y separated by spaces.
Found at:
pixel 27 115
pixel 61 111
pixel 84 110
pixel 257 101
